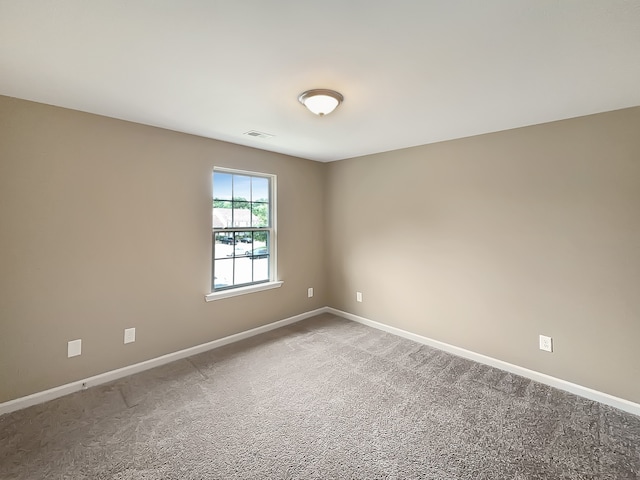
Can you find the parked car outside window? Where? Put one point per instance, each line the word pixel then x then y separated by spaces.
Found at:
pixel 260 252
pixel 224 239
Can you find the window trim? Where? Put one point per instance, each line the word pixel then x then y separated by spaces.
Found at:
pixel 273 281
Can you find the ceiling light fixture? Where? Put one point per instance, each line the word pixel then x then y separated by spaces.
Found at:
pixel 321 101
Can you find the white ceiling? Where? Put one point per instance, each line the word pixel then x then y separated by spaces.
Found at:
pixel 411 71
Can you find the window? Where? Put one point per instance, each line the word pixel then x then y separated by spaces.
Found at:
pixel 243 232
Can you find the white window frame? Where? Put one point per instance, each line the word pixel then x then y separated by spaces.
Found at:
pixel 273 281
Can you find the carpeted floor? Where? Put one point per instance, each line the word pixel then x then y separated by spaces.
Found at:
pixel 325 398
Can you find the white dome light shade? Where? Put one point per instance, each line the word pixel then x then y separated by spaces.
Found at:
pixel 321 104
pixel 321 101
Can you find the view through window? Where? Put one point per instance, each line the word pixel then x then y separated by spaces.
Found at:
pixel 242 229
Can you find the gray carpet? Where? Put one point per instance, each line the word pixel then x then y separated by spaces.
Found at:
pixel 322 399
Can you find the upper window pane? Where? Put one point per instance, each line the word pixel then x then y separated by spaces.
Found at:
pixel 242 214
pixel 241 188
pixel 223 186
pixel 260 217
pixel 259 189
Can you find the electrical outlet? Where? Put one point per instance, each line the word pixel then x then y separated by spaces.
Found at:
pixel 358 296
pixel 310 292
pixel 546 343
pixel 129 335
pixel 74 348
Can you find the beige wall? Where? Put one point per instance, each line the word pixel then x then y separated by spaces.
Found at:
pixel 106 224
pixel 489 241
pixel 483 243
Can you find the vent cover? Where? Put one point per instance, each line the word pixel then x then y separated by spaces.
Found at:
pixel 257 134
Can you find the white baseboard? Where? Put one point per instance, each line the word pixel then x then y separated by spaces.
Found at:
pixel 46 395
pixel 579 390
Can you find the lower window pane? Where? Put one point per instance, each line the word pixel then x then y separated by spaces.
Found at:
pixel 261 269
pixel 260 239
pixel 223 273
pixel 243 242
pixel 240 258
pixel 222 245
pixel 243 273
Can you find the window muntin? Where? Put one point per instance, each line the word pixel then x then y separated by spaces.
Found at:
pixel 243 229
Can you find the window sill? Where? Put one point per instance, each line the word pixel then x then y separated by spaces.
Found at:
pixel 234 292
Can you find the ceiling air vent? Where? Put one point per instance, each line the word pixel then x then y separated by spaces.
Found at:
pixel 257 134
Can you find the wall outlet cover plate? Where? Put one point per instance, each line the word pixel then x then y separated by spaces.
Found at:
pixel 546 343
